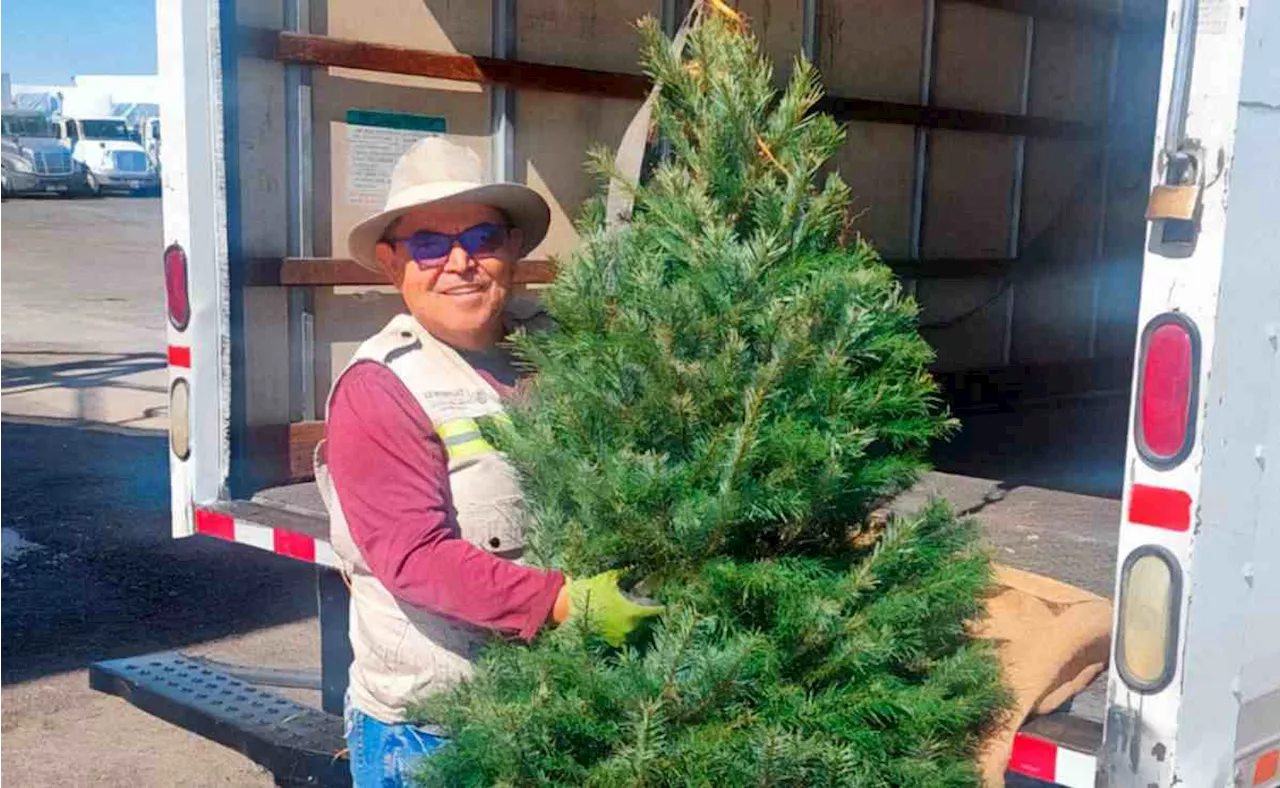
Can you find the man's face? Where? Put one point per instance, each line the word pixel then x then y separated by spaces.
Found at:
pixel 459 296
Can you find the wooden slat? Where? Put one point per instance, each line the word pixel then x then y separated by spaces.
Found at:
pixel 303 271
pixel 971 390
pixel 317 50
pixel 336 271
pixel 324 51
pixel 849 109
pixel 1078 15
pixel 958 268
pixel 303 437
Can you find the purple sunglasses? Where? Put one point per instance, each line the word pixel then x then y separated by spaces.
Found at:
pixel 431 250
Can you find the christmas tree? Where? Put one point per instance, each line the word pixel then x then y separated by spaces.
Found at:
pixel 735 384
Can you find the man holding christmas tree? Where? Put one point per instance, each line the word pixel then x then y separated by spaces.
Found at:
pixel 426 516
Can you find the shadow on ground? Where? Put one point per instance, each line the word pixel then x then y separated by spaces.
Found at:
pixel 116 388
pixel 1074 446
pixel 82 370
pixel 107 580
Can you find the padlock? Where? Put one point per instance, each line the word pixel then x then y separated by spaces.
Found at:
pixel 1180 200
pixel 1176 203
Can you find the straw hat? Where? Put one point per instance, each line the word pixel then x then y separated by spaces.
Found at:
pixel 435 171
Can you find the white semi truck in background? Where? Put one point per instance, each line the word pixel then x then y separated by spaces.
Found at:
pixel 109 152
pixel 1080 193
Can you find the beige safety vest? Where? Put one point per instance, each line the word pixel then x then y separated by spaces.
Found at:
pixel 404 652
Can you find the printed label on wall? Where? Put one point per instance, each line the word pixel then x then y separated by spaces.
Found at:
pixel 375 140
pixel 1213 17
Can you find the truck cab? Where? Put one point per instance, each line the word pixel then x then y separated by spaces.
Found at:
pixel 35 161
pixel 110 153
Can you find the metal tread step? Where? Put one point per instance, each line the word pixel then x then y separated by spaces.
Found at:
pixel 303 746
pixel 298 744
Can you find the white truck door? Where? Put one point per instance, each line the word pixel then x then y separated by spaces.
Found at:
pixel 1194 693
pixel 195 257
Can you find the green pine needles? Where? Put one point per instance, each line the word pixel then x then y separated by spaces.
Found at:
pixel 734 386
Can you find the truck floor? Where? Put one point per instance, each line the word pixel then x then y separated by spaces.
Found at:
pixel 1066 536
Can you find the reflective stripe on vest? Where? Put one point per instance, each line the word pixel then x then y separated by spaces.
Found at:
pixel 462 439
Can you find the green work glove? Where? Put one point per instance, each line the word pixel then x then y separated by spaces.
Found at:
pixel 610 614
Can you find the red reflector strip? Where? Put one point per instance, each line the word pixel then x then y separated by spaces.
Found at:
pixel 180 356
pixel 216 524
pixel 1047 762
pixel 1160 507
pixel 1266 768
pixel 291 544
pixel 1034 757
pixel 294 545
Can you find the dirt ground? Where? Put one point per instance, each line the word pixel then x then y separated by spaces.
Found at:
pixel 89 568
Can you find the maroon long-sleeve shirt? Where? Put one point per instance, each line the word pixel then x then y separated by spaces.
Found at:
pixel 391 473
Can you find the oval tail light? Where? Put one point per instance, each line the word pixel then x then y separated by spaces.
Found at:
pixel 1168 375
pixel 175 287
pixel 1147 626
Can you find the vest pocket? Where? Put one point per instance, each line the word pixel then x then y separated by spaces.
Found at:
pixel 496 526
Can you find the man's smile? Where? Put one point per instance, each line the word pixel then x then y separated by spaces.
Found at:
pixel 464 289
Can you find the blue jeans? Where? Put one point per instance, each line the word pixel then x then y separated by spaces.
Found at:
pixel 384 755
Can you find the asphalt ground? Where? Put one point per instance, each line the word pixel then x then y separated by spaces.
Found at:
pixel 90 570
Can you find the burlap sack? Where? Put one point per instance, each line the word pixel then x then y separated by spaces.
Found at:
pixel 1053 639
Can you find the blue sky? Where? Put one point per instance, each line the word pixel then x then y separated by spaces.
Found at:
pixel 47 41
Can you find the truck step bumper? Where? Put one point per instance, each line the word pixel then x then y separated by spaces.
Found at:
pixel 1059 749
pixel 298 744
pixel 304 746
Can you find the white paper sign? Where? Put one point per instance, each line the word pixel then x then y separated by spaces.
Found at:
pixel 1213 16
pixel 371 155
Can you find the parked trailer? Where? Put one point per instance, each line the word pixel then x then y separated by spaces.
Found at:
pixel 1004 150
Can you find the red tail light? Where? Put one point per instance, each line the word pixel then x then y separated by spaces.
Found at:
pixel 1165 417
pixel 175 286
